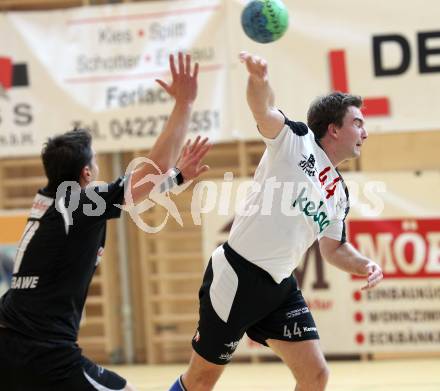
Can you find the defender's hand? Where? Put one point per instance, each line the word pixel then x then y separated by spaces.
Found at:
pixel 183 87
pixel 189 162
pixel 256 66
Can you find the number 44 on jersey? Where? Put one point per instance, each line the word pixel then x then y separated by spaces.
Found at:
pixel 296 331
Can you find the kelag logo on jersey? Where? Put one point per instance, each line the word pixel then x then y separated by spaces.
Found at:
pixel 310 209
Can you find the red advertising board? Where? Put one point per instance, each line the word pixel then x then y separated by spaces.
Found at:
pixel 405 248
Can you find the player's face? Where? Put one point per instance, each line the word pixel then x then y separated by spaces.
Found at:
pixel 353 133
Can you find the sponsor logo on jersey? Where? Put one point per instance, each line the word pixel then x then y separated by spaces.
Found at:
pixel 26 282
pixel 40 205
pixel 232 345
pixel 310 209
pixel 225 356
pixel 342 203
pixel 308 165
pixel 297 312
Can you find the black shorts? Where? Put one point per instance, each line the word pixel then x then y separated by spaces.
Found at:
pixel 238 297
pixel 30 365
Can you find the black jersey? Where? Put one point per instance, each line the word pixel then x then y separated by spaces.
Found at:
pixel 56 259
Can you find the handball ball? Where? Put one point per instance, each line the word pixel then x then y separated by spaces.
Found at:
pixel 265 21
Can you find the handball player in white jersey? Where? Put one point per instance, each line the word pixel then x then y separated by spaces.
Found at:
pixel 248 285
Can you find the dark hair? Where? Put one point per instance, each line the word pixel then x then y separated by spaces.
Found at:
pixel 330 109
pixel 64 157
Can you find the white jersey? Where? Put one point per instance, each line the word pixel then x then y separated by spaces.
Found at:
pixel 298 197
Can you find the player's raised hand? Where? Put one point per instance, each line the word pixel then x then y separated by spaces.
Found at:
pixel 375 275
pixel 183 86
pixel 190 159
pixel 256 66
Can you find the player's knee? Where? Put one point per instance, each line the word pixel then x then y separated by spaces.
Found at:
pixel 322 377
pixel 316 380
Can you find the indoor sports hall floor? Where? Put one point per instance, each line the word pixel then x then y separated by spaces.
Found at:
pixel 392 375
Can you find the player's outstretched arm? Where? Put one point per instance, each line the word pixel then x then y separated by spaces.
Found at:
pixel 346 257
pixel 166 149
pixel 189 166
pixel 260 96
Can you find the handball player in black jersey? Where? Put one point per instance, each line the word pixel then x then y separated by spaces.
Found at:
pixel 63 239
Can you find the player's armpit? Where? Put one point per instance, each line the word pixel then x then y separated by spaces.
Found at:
pixel 271 123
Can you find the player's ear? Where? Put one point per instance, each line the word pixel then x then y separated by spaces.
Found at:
pixel 86 174
pixel 332 131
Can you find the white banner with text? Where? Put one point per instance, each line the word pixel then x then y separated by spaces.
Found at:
pixel 96 67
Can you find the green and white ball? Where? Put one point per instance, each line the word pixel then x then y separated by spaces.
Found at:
pixel 265 21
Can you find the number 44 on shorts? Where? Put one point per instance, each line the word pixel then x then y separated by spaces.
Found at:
pixel 296 331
